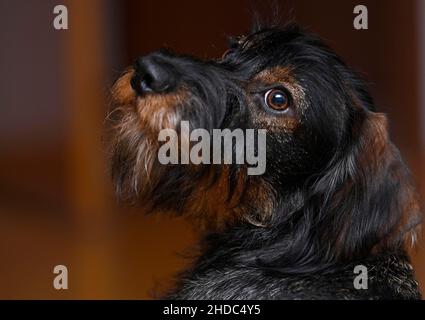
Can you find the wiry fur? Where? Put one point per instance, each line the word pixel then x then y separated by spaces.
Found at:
pixel 335 193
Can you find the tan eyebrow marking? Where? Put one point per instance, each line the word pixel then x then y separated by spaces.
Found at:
pixel 275 74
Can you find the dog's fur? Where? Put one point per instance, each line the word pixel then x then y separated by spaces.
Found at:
pixel 335 193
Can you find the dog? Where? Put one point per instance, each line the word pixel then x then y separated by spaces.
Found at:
pixel 335 195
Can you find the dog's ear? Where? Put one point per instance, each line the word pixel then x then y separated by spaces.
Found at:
pixel 366 199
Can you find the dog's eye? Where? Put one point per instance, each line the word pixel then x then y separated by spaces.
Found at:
pixel 276 99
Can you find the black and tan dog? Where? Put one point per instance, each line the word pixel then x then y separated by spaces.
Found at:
pixel 335 193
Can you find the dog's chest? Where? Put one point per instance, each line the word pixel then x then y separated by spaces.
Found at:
pixel 389 278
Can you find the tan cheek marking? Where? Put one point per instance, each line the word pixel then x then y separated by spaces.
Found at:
pixel 276 123
pixel 210 205
pixel 258 202
pixel 252 201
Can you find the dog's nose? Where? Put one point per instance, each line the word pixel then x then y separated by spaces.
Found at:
pixel 154 74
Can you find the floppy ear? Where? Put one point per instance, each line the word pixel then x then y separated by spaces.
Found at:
pixel 366 199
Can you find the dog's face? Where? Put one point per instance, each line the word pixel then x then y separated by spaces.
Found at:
pixel 283 81
pixel 316 112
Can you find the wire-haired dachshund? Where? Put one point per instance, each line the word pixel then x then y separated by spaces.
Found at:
pixel 335 193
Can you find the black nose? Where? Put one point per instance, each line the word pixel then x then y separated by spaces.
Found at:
pixel 154 73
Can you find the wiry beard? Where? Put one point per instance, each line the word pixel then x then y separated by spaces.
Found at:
pixel 135 124
pixel 132 158
pixel 215 195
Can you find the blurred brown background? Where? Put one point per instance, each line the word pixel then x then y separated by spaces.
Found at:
pixel 56 203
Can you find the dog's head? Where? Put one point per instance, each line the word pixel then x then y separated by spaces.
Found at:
pixel 331 173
